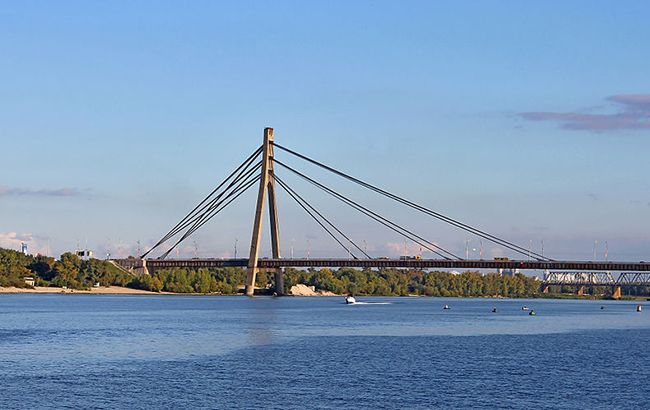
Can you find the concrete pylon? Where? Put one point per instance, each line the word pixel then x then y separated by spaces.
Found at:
pixel 267 186
pixel 616 294
pixel 581 291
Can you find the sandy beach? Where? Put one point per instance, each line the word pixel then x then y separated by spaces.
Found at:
pixel 103 290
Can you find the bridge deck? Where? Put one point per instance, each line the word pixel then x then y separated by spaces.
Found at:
pixel 393 263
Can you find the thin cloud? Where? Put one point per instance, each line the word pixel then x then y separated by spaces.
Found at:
pixel 57 192
pixel 633 114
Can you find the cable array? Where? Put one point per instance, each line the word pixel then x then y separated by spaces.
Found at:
pixel 305 205
pixel 231 188
pixel 375 216
pixel 420 208
pixel 248 173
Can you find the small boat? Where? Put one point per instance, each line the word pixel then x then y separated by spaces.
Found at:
pixel 350 300
pixel 494 310
pixel 526 308
pixel 602 307
pixel 638 308
pixel 446 307
pixel 532 313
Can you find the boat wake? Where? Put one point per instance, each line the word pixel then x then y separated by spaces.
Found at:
pixel 371 303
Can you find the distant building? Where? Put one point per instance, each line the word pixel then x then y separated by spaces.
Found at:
pixel 84 254
pixel 508 272
pixel 29 281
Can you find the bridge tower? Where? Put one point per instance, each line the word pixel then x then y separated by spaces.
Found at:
pixel 267 186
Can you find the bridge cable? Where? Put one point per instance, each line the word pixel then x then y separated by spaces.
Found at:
pixel 243 176
pixel 187 220
pixel 201 219
pixel 294 194
pixel 215 202
pixel 236 193
pixel 196 209
pixel 375 216
pixel 421 208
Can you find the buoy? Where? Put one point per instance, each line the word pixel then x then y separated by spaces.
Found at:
pixel 638 308
pixel 494 310
pixel 602 307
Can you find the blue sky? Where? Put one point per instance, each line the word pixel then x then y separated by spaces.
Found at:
pixel 528 120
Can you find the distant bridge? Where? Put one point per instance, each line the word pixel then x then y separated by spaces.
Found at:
pixel 581 280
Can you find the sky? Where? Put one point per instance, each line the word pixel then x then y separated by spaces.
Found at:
pixel 528 120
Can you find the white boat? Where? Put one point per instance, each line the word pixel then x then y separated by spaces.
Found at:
pixel 446 307
pixel 350 300
pixel 525 308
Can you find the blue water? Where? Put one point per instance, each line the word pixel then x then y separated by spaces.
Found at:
pixel 92 351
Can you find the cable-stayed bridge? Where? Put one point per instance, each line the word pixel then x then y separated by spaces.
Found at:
pixel 260 168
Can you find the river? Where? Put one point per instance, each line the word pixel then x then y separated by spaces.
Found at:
pixel 101 351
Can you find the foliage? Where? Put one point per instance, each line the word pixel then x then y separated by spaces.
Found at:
pixel 179 280
pixel 68 271
pixel 402 282
pixel 13 268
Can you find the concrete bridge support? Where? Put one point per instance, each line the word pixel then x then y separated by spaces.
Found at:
pixel 267 186
pixel 616 292
pixel 140 267
pixel 581 291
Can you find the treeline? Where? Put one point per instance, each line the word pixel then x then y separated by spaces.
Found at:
pixel 75 273
pixel 401 282
pixel 220 280
pixel 384 282
pixel 68 271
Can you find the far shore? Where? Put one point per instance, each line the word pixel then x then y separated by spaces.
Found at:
pixel 102 290
pixel 297 290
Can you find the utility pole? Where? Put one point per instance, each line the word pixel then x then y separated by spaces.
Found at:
pixel 308 247
pixel 267 187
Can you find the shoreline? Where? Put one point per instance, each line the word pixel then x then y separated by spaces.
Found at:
pixel 102 290
pixel 119 290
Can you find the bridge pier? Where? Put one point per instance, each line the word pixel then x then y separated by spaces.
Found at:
pixel 267 186
pixel 616 293
pixel 545 289
pixel 140 267
pixel 581 291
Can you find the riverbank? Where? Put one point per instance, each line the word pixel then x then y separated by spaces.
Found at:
pixel 102 290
